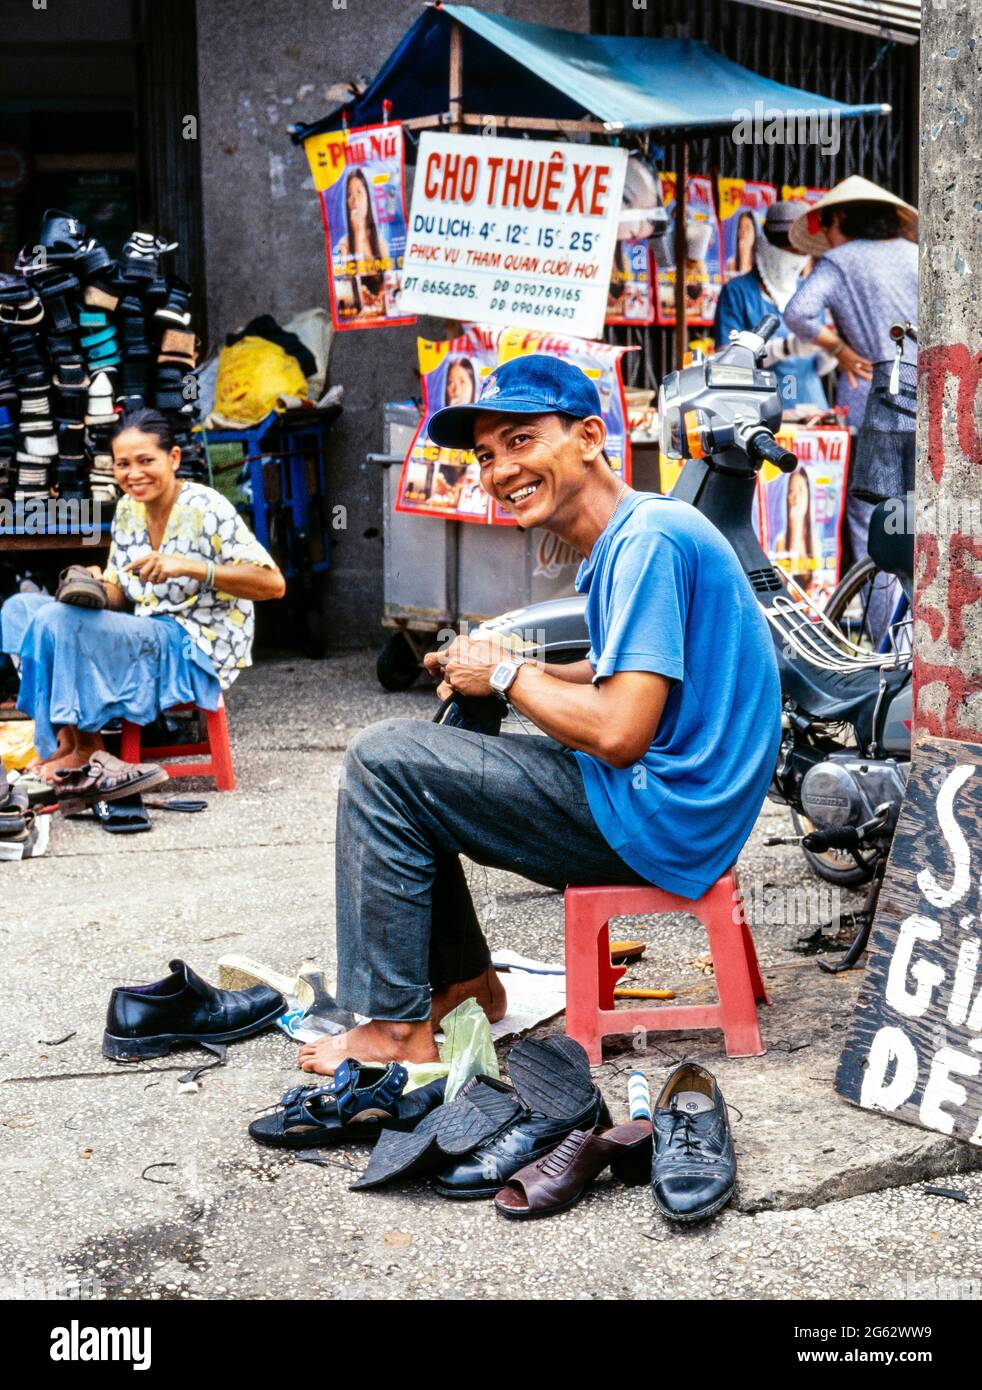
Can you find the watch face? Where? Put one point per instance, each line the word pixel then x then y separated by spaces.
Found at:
pixel 502 676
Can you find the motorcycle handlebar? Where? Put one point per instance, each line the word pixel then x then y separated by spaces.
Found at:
pixel 768 325
pixel 763 446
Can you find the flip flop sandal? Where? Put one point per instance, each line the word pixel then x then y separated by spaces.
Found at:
pixel 482 1109
pixel 124 817
pixel 187 805
pixel 351 1106
pixel 552 1076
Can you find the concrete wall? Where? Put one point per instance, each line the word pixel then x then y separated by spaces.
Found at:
pixel 262 67
pixel 948 568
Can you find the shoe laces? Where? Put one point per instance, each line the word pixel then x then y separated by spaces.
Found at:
pixel 682 1128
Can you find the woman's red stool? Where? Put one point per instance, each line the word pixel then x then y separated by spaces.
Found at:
pixel 216 749
pixel 590 976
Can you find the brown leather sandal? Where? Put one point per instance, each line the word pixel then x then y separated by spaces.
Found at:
pixel 558 1181
pixel 103 778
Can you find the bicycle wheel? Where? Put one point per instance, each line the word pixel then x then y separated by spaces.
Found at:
pixel 866 603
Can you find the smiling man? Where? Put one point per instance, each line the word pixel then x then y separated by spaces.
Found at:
pixel 660 745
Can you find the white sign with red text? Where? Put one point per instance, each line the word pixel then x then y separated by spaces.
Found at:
pixel 517 232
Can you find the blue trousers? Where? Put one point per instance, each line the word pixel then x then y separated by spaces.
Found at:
pixel 413 797
pixel 85 667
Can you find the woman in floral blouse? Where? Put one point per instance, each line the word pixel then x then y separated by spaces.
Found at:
pixel 187 570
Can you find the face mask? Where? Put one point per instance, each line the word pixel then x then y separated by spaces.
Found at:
pixel 779 270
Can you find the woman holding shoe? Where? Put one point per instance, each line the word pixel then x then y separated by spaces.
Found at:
pixel 169 621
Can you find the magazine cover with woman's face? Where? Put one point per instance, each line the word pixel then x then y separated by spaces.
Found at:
pixel 804 509
pixel 359 176
pixel 447 482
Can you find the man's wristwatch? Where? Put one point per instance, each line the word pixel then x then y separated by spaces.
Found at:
pixel 503 676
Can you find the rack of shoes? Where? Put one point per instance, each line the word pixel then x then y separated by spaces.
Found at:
pixel 84 335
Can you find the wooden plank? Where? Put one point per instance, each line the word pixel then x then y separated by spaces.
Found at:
pixel 681 257
pixel 545 123
pixel 488 122
pixel 442 118
pixel 914 1049
pixel 456 80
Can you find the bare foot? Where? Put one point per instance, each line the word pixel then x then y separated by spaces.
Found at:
pixel 66 744
pixel 75 756
pixel 486 988
pixel 69 763
pixel 378 1041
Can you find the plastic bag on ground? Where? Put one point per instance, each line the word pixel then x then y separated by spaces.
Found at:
pixel 17 749
pixel 467 1047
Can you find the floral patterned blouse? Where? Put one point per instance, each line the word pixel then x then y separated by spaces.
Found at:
pixel 205 525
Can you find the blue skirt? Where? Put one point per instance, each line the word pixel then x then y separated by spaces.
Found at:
pixel 86 667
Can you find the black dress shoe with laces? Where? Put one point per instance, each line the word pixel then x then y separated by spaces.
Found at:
pixel 183 1009
pixel 693 1166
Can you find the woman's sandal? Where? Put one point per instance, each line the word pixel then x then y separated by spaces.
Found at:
pixel 349 1108
pixel 558 1181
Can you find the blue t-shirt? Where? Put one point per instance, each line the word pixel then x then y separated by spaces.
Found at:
pixel 742 304
pixel 665 593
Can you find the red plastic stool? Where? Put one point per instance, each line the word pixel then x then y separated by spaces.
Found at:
pixel 216 749
pixel 590 976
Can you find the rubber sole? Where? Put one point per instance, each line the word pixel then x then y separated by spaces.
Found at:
pixel 524 1214
pixel 468 1194
pixel 241 972
pixel 139 1049
pixel 698 1216
pixel 552 1076
pixel 356 1133
pixel 82 596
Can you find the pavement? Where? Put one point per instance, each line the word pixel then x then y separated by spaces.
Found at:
pixel 122 1183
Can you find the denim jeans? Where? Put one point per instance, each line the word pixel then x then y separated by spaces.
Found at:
pixel 413 797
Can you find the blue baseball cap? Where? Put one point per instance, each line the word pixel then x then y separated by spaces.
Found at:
pixel 532 385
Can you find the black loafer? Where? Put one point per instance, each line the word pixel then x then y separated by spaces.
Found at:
pixel 693 1167
pixel 148 1020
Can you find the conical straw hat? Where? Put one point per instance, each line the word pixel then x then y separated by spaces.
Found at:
pixel 807 235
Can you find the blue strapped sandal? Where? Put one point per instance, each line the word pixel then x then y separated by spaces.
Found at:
pixel 353 1106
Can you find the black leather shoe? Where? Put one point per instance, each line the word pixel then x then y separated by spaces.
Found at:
pixel 484 1172
pixel 148 1020
pixel 693 1166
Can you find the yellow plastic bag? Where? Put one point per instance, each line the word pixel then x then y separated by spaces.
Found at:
pixel 251 374
pixel 17 749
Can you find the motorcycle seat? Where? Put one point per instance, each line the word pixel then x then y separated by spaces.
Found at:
pixel 837 696
pixel 891 537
